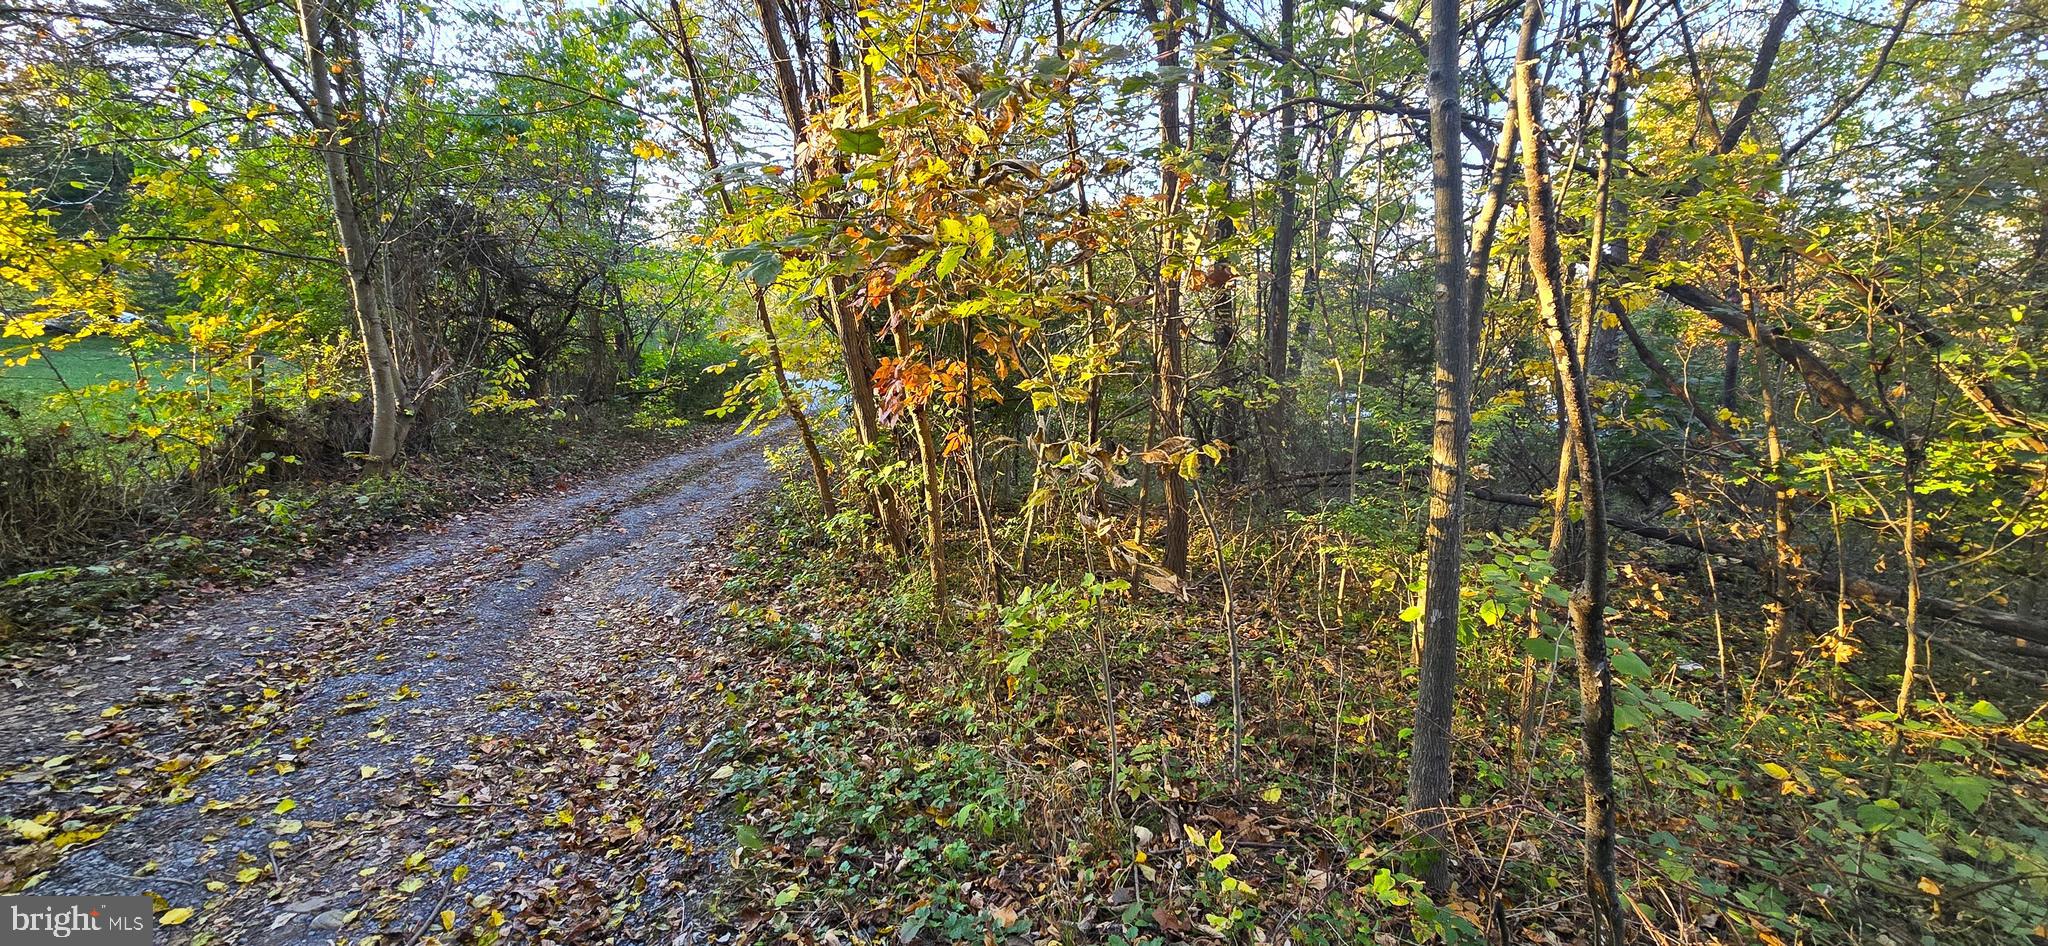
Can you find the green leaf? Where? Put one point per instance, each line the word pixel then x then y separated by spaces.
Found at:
pixel 992 97
pixel 1877 817
pixel 1683 710
pixel 1543 648
pixel 740 254
pixel 949 261
pixel 1626 663
pixel 858 140
pixel 1970 791
pixel 913 267
pixel 765 270
pixel 1628 717
pixel 1982 709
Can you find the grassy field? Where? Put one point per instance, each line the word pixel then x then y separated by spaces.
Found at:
pixel 35 388
pixel 86 362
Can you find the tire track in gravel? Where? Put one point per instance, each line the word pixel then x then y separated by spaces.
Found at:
pixel 505 719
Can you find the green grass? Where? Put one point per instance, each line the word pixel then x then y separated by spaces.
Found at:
pixel 30 388
pixel 37 388
pixel 85 362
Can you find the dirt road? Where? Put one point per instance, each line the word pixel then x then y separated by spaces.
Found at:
pixel 495 730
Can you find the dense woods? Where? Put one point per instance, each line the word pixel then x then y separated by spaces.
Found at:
pixel 1291 471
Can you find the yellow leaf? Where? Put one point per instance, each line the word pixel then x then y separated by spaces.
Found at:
pixel 284 807
pixel 174 917
pixel 248 874
pixel 29 830
pixel 369 771
pixel 197 107
pixel 268 225
pixel 1775 770
pixel 1929 887
pixel 447 919
pixel 80 836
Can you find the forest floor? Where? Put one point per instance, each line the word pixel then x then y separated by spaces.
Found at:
pixel 492 728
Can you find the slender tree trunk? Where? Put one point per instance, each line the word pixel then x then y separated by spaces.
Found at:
pixel 1589 602
pixel 1915 454
pixel 1600 349
pixel 820 475
pixel 970 460
pixel 1222 275
pixel 934 492
pixel 1322 217
pixel 1172 326
pixel 1361 303
pixel 856 347
pixel 338 139
pixel 1777 578
pixel 1092 406
pixel 1561 486
pixel 1842 573
pixel 1498 175
pixel 1908 541
pixel 1731 372
pixel 1429 772
pixel 1280 288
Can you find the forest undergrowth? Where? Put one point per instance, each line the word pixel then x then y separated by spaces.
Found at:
pixel 904 780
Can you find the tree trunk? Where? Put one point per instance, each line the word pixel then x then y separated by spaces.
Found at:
pixel 856 347
pixel 1589 602
pixel 1497 177
pixel 820 475
pixel 337 141
pixel 1778 576
pixel 934 492
pixel 1731 372
pixel 1907 542
pixel 1280 288
pixel 1172 325
pixel 1222 276
pixel 1429 772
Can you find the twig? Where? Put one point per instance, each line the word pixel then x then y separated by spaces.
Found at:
pixel 433 913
